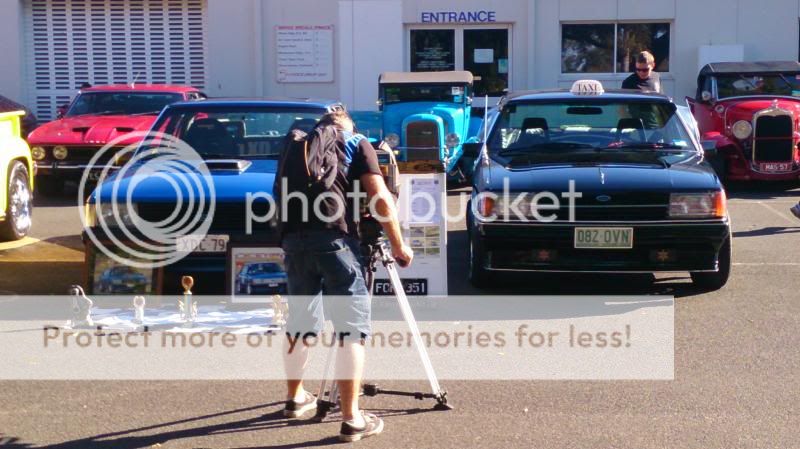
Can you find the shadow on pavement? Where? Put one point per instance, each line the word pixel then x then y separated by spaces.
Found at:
pixel 762 191
pixel 772 230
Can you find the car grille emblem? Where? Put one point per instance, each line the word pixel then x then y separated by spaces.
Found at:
pixel 603 198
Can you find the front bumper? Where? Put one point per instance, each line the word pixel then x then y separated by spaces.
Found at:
pixel 657 247
pixel 68 170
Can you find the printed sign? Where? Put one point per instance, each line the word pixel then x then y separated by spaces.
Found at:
pixel 304 54
pixel 458 16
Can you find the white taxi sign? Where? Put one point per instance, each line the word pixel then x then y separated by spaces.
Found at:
pixel 587 87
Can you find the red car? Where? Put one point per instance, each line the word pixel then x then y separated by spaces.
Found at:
pixel 97 115
pixel 751 110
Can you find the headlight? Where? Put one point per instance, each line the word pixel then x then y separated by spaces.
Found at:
pixel 125 216
pixel 392 139
pixel 452 140
pixel 60 152
pixel 742 129
pixel 698 205
pixel 38 153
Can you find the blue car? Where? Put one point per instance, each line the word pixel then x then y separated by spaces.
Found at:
pixel 261 277
pixel 427 116
pixel 593 181
pixel 121 279
pixel 239 142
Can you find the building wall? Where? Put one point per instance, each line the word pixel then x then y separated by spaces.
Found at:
pixel 371 36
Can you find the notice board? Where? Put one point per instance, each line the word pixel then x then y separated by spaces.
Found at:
pixel 304 53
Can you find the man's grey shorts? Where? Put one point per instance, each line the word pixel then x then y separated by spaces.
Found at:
pixel 326 262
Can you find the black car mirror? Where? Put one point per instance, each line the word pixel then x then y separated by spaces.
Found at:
pixel 705 96
pixel 709 147
pixel 61 111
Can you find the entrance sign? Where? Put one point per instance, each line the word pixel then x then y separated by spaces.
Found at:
pixel 304 53
pixel 458 16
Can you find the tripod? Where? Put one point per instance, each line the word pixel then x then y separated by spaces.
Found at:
pixel 375 249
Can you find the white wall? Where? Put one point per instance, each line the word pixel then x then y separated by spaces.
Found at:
pixel 12 68
pixel 235 57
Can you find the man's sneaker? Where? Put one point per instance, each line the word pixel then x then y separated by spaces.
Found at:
pixel 373 426
pixel 296 409
pixel 796 210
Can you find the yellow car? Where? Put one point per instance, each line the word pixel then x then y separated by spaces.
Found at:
pixel 16 170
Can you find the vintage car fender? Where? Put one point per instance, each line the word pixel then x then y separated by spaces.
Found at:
pixel 721 139
pixel 12 148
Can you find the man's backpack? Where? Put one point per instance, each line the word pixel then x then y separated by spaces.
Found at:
pixel 310 161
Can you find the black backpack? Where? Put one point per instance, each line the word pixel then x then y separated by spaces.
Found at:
pixel 311 161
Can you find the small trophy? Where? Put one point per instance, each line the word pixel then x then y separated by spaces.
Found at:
pixel 280 310
pixel 138 310
pixel 188 306
pixel 81 308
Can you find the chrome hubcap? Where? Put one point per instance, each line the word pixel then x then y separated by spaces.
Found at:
pixel 20 202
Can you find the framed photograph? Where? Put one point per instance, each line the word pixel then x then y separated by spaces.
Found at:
pixel 110 277
pixel 256 274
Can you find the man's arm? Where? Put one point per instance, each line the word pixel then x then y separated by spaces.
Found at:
pixel 386 214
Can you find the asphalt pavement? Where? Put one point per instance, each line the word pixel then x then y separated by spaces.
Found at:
pixel 736 381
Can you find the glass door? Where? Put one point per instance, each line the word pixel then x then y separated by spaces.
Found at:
pixel 486 56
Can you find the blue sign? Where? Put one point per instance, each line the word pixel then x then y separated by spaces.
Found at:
pixel 458 17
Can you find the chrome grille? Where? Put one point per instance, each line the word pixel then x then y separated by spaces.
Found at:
pixel 422 141
pixel 773 138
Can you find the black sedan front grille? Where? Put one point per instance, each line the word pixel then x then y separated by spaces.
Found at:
pixel 773 139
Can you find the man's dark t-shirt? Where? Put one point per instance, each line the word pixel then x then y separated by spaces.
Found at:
pixel 357 157
pixel 651 84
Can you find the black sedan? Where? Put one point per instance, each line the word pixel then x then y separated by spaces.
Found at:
pixel 585 180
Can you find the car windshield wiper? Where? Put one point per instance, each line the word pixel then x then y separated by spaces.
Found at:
pixel 545 146
pixel 646 146
pixel 147 113
pixel 106 112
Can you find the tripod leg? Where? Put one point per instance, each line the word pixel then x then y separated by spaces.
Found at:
pixel 408 315
pixel 327 399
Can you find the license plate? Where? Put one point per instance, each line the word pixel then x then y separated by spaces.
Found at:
pixel 273 285
pixel 604 238
pixel 776 166
pixel 413 287
pixel 203 244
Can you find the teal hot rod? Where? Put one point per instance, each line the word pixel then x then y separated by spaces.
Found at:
pixel 426 116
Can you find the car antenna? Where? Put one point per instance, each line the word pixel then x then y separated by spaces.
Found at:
pixel 135 78
pixel 485 149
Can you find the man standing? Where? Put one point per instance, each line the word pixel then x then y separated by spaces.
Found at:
pixel 322 254
pixel 645 79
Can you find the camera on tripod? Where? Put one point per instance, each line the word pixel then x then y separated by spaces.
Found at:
pixel 369 228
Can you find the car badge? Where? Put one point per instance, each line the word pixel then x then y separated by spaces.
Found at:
pixel 603 198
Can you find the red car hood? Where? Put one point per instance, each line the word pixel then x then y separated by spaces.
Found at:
pixel 91 130
pixel 744 108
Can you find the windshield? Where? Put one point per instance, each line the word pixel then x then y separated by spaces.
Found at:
pixel 423 92
pixel 122 103
pixel 265 268
pixel 591 131
pixel 737 85
pixel 249 132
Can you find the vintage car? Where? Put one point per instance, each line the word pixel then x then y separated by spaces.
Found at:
pixel 751 110
pixel 98 115
pixel 240 142
pixel 426 116
pixel 16 169
pixel 593 181
pixel 261 277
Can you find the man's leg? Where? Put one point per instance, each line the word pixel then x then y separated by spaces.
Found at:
pixel 349 369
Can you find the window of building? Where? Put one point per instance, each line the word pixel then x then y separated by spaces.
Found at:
pixel 612 47
pixel 482 50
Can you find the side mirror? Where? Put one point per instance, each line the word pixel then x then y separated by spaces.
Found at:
pixel 709 147
pixel 705 96
pixel 61 110
pixel 379 102
pixel 472 149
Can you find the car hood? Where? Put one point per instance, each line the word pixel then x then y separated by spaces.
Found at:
pixel 92 130
pixel 600 178
pixel 745 107
pixel 228 185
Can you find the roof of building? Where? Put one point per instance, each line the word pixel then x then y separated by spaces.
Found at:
pixel 750 67
pixel 425 77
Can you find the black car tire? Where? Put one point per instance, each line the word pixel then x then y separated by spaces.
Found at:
pixel 18 184
pixel 479 276
pixel 49 185
pixel 718 279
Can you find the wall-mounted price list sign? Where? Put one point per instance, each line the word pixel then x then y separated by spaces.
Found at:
pixel 304 53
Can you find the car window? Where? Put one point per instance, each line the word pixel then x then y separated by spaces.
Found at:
pixel 236 131
pixel 423 92
pixel 122 103
pixel 737 85
pixel 556 131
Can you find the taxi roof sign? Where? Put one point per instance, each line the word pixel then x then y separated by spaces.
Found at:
pixel 587 87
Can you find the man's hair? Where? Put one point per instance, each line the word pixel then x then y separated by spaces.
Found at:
pixel 340 119
pixel 645 57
